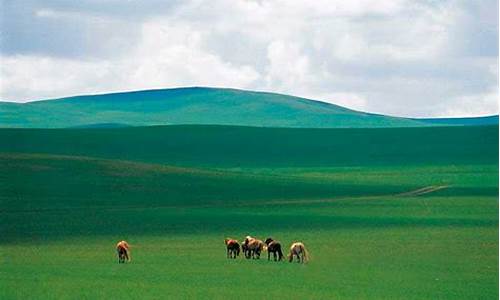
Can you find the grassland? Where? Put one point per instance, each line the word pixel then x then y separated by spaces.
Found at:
pixel 66 197
pixel 194 105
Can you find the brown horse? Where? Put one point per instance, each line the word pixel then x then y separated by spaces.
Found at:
pixel 299 250
pixel 274 247
pixel 122 248
pixel 233 248
pixel 253 247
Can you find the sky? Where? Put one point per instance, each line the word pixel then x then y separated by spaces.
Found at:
pixel 420 58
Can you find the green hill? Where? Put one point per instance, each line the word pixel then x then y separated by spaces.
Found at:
pixel 190 106
pixel 236 146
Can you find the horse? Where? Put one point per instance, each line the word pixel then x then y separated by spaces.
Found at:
pixel 122 248
pixel 273 247
pixel 298 249
pixel 233 248
pixel 244 249
pixel 244 246
pixel 253 247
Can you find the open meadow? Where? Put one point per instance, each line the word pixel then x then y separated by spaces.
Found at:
pixel 396 213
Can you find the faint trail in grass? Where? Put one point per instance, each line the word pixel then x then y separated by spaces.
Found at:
pixel 423 191
pixel 413 193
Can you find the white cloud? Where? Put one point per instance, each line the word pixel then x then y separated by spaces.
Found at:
pixel 473 105
pixel 398 57
pixel 165 56
pixel 36 77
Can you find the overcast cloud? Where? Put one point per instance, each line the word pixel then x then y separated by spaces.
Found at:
pixel 406 58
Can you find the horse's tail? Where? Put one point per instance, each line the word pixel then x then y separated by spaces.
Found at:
pixel 280 253
pixel 238 250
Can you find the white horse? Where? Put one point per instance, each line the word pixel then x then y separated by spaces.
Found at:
pixel 299 250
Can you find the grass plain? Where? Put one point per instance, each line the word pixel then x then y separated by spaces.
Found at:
pixel 176 192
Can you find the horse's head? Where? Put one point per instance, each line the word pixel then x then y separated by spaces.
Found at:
pixel 268 241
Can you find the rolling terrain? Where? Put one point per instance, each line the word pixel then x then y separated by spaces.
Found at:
pixel 235 146
pixel 399 213
pixel 190 106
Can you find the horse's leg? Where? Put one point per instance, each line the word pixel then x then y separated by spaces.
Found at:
pixel 268 255
pixel 274 254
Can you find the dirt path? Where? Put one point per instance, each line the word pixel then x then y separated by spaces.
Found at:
pixel 423 191
pixel 413 193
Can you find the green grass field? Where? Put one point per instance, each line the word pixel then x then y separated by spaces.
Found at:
pixel 67 197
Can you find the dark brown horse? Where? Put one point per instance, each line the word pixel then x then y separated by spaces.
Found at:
pixel 274 247
pixel 233 248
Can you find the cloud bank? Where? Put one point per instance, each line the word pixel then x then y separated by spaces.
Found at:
pixel 406 58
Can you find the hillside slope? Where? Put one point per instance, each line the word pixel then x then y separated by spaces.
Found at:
pixel 190 106
pixel 234 146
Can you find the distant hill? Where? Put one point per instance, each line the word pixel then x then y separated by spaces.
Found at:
pixel 190 106
pixel 196 105
pixel 478 121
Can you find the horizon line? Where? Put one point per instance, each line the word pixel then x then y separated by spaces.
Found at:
pixel 239 89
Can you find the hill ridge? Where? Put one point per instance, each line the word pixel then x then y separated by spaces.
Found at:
pixel 194 105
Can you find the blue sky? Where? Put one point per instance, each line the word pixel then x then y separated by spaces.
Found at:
pixel 406 58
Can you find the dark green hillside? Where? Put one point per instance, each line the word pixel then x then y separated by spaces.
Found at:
pixel 228 146
pixel 190 106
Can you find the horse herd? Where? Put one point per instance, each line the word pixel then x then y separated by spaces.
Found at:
pixel 252 248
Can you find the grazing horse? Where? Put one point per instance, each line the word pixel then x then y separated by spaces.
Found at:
pixel 253 247
pixel 298 249
pixel 275 248
pixel 233 248
pixel 123 252
pixel 244 249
